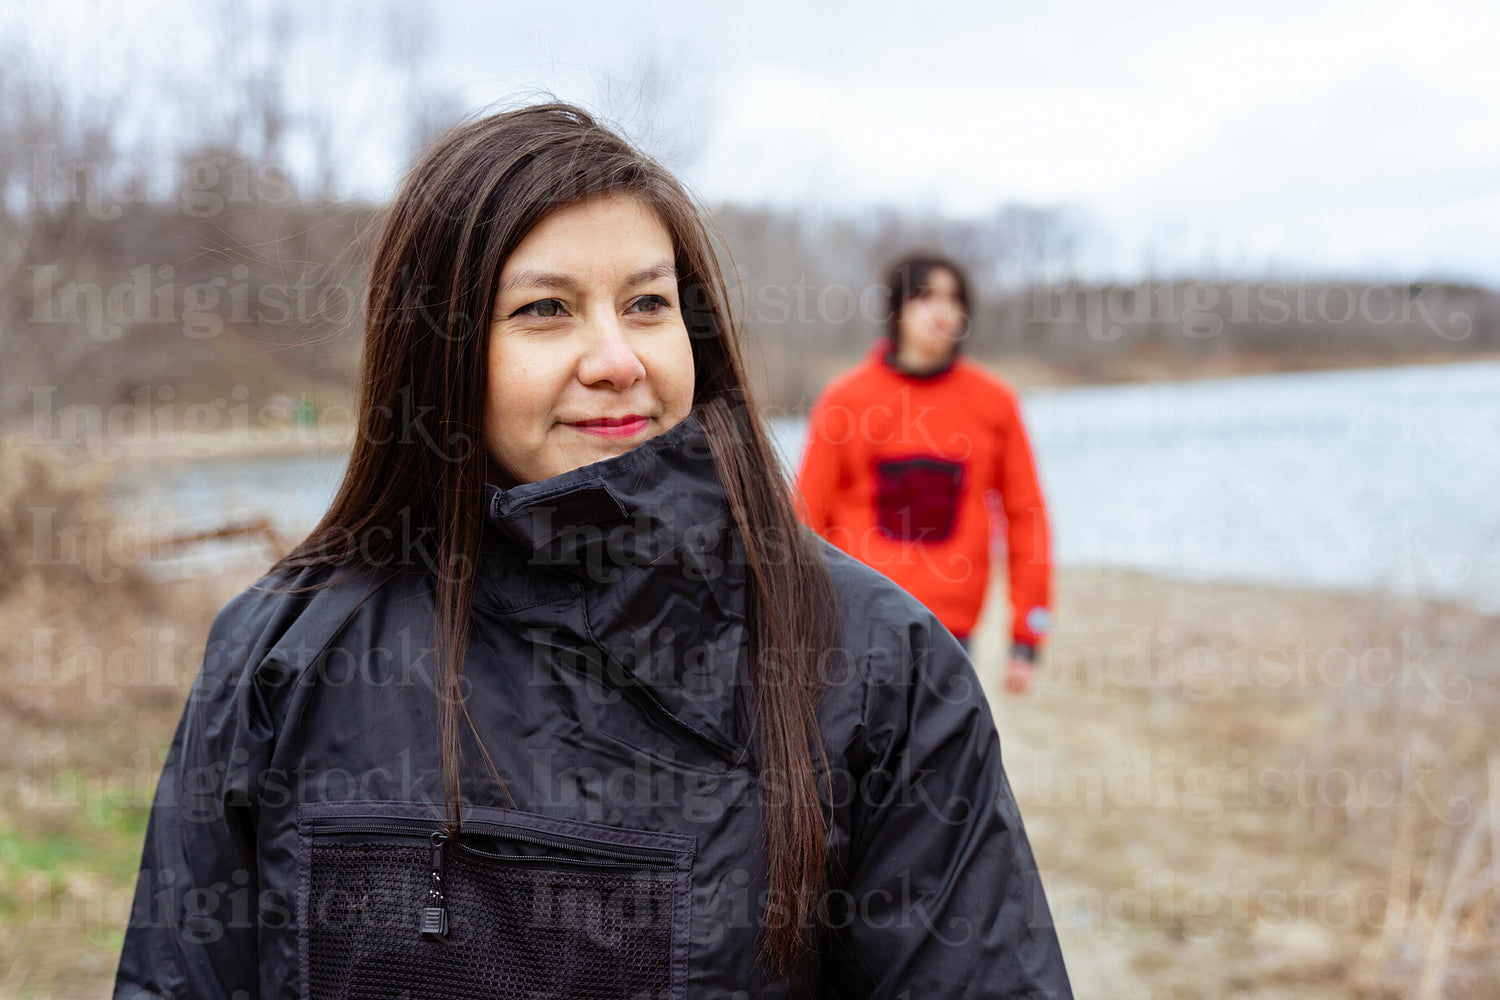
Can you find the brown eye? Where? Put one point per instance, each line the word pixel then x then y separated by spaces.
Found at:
pixel 649 304
pixel 541 309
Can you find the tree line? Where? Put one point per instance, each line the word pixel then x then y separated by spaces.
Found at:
pixel 228 259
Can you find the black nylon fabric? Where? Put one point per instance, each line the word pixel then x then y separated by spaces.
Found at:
pixel 606 673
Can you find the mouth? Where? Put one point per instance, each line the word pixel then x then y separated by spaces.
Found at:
pixel 612 427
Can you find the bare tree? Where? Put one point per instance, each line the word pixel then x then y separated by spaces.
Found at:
pixel 427 107
pixel 59 176
pixel 663 104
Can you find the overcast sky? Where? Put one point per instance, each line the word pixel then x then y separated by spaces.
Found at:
pixel 1295 138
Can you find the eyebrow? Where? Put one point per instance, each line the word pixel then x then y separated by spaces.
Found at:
pixel 661 269
pixel 547 279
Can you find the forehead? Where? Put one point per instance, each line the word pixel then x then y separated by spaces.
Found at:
pixel 941 279
pixel 595 234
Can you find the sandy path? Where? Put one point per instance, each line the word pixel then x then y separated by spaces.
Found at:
pixel 1173 785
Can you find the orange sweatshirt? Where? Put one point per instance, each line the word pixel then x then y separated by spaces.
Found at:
pixel 897 471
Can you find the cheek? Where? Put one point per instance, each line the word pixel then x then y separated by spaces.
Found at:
pixel 522 383
pixel 500 426
pixel 512 402
pixel 672 373
pixel 919 321
pixel 687 375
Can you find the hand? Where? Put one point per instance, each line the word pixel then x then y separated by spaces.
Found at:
pixel 1018 676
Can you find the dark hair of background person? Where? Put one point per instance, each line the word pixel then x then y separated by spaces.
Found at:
pixel 420 459
pixel 907 280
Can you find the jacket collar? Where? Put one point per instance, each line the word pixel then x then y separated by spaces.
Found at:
pixel 635 557
pixel 632 510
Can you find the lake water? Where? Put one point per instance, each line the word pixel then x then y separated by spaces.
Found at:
pixel 1380 479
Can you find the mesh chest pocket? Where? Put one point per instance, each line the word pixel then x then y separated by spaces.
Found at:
pixel 916 499
pixel 518 906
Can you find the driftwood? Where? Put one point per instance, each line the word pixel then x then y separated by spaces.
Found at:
pixel 258 527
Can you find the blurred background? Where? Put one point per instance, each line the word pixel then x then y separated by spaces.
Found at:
pixel 1243 264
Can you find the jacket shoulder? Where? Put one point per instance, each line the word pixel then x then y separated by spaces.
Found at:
pixel 889 642
pixel 288 615
pixel 874 609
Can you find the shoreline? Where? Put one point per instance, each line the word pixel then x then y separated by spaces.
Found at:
pixel 186 447
pixel 1122 602
pixel 1152 370
pixel 1385 596
pixel 290 440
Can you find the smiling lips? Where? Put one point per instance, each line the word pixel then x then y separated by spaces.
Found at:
pixel 612 427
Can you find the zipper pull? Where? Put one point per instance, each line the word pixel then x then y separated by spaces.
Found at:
pixel 434 923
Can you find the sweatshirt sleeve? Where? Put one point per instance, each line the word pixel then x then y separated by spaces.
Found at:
pixel 194 921
pixel 823 477
pixel 1028 537
pixel 942 897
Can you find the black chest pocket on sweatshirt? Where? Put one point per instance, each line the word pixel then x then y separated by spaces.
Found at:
pixel 916 499
pixel 518 906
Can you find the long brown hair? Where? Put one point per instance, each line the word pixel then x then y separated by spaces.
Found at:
pixel 411 496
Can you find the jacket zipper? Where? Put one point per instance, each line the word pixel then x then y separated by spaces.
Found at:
pixel 617 853
pixel 432 923
pixel 543 861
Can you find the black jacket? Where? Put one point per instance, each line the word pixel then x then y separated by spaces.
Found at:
pixel 291 848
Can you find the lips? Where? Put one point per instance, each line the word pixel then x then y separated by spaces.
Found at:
pixel 612 427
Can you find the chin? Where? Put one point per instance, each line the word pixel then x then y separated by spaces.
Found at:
pixel 605 448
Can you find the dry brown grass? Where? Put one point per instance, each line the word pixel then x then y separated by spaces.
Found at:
pixel 94 662
pixel 1249 791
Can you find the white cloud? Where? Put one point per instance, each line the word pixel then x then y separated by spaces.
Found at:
pixel 1310 135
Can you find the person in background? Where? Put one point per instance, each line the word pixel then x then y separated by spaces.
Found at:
pixel 903 453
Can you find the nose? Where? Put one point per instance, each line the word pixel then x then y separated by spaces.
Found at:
pixel 608 358
pixel 951 311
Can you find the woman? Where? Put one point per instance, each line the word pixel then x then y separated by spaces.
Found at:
pixel 557 699
pixel 903 453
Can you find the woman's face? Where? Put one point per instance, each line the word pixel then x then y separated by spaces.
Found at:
pixel 589 355
pixel 931 323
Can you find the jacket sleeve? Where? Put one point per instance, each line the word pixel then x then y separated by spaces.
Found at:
pixel 942 897
pixel 193 924
pixel 823 479
pixel 1028 538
